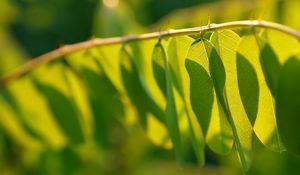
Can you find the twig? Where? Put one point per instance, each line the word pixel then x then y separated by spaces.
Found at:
pixel 58 53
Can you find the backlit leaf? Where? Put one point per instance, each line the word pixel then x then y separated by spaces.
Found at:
pixel 161 64
pixel 257 97
pixel 13 128
pixel 138 95
pixel 224 74
pixel 36 112
pixel 61 102
pixel 103 96
pixel 177 52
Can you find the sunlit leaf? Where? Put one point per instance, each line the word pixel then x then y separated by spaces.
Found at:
pixel 13 128
pixel 103 96
pixel 136 91
pixel 61 102
pixel 201 85
pixel 204 102
pixel 257 98
pixel 177 52
pixel 161 64
pixel 145 105
pixel 224 74
pixel 35 112
pixel 80 96
pixel 282 44
pixel 218 90
pixel 140 52
pixel 108 57
pixel 11 101
pixel 158 64
pixel 158 133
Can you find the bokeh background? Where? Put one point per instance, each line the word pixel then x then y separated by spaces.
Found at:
pixel 29 28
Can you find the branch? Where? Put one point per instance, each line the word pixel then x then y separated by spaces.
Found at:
pixel 58 53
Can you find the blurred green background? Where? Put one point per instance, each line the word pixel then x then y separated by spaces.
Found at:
pixel 29 28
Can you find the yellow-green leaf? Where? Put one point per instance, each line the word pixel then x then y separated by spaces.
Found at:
pixel 140 52
pixel 177 51
pixel 204 100
pixel 136 91
pixel 56 89
pixel 10 124
pixel 257 97
pixel 104 99
pixel 171 117
pixel 224 74
pixel 36 114
pixel 282 44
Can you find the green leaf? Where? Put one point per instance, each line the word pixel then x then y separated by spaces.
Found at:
pixel 270 65
pixel 248 86
pixel 136 91
pixel 150 115
pixel 14 129
pixel 204 102
pixel 71 160
pixel 104 102
pixel 140 52
pixel 201 86
pixel 177 52
pixel 8 97
pixel 158 64
pixel 63 107
pixel 223 69
pixel 161 64
pixel 64 112
pixel 255 92
pixel 108 58
pixel 282 44
pixel 288 105
pixel 36 115
pixel 103 96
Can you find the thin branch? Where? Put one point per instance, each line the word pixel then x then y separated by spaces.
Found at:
pixel 58 53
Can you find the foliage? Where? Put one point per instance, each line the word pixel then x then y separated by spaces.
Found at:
pixel 218 98
pixel 216 90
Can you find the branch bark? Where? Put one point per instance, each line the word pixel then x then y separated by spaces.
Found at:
pixel 58 53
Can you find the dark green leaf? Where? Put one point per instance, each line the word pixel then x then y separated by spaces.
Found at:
pixel 248 86
pixel 158 66
pixel 270 65
pixel 288 105
pixel 64 112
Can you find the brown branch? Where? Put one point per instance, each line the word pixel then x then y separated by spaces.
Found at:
pixel 58 53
